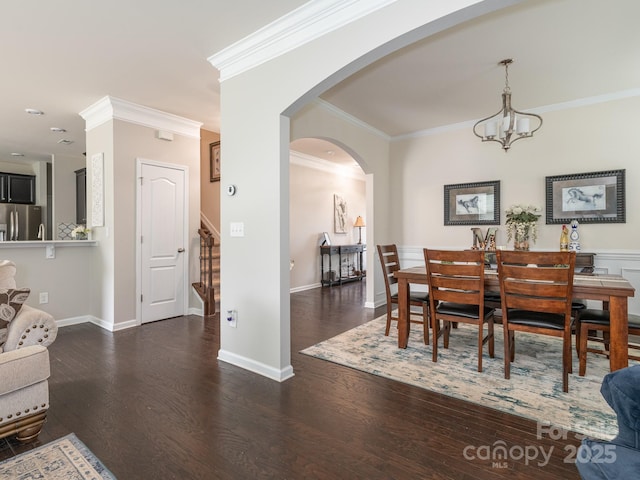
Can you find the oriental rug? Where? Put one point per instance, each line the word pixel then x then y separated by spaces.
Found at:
pixel 65 458
pixel 534 390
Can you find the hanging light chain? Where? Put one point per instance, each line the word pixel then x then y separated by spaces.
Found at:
pixel 506 63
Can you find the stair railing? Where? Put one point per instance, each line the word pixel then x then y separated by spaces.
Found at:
pixel 205 287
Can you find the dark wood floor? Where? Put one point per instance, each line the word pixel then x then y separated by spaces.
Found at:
pixel 154 403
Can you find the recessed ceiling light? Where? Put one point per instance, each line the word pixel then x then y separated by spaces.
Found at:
pixel 33 111
pixel 57 130
pixel 17 154
pixel 65 141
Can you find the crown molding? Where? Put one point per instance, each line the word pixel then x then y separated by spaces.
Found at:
pixel 108 108
pixel 335 111
pixel 300 26
pixel 309 161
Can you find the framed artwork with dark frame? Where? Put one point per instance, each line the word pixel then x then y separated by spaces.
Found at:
pixel 214 162
pixel 596 197
pixel 472 203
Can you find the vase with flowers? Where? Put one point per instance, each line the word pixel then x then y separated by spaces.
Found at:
pixel 80 232
pixel 522 225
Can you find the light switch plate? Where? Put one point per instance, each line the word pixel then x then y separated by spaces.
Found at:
pixel 237 229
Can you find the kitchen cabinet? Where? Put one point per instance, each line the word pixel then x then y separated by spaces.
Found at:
pixel 17 188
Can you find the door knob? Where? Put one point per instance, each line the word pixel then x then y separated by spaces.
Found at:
pixel 180 250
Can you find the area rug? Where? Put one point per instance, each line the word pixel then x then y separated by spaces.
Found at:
pixel 534 390
pixel 65 458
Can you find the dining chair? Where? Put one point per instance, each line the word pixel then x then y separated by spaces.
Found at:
pixel 390 263
pixel 594 320
pixel 536 290
pixel 456 293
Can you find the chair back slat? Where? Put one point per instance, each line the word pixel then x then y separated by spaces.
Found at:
pixel 551 273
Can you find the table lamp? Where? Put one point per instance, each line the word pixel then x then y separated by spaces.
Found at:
pixel 359 223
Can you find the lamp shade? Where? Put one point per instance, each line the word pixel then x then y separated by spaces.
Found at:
pixel 359 222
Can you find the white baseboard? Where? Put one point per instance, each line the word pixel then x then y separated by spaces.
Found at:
pixel 65 322
pixel 256 367
pixel 305 287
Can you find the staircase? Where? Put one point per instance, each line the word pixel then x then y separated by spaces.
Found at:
pixel 208 288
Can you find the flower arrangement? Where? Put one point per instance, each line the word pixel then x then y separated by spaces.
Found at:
pixel 522 224
pixel 80 232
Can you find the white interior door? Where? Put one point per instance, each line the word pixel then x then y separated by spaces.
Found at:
pixel 163 242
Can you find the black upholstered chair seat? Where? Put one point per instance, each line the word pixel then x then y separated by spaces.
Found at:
pixel 553 321
pixel 462 310
pixel 601 317
pixel 415 297
pixel 592 320
pixel 492 296
pixel 578 305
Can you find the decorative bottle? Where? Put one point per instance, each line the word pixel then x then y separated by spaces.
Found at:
pixel 564 239
pixel 574 243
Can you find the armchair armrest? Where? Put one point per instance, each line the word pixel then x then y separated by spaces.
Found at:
pixel 30 327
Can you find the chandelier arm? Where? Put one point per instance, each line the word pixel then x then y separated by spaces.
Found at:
pixel 530 115
pixel 484 120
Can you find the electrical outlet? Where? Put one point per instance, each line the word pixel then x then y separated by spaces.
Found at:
pixel 232 318
pixel 44 297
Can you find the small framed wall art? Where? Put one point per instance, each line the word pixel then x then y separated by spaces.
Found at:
pixel 472 203
pixel 214 162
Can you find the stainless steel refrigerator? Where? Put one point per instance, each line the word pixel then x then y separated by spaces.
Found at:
pixel 19 222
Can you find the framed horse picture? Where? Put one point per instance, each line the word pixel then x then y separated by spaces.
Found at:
pixel 596 197
pixel 472 203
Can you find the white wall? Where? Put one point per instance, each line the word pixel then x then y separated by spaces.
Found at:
pixel 311 213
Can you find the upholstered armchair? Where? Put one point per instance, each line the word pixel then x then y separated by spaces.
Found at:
pixel 25 334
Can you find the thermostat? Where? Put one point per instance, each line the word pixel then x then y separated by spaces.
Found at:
pixel 231 190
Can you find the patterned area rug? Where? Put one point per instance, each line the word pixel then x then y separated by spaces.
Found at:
pixel 65 458
pixel 534 390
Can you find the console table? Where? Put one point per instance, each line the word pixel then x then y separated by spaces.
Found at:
pixel 348 268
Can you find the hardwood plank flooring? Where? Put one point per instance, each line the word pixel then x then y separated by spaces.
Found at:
pixel 154 403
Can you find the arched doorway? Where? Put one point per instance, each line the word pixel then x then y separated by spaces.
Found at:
pixel 320 172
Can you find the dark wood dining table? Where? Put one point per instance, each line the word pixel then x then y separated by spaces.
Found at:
pixel 612 290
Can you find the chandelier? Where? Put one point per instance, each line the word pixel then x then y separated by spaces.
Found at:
pixel 508 125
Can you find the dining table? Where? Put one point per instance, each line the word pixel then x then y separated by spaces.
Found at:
pixel 612 290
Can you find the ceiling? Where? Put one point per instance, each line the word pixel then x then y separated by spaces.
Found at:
pixel 61 57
